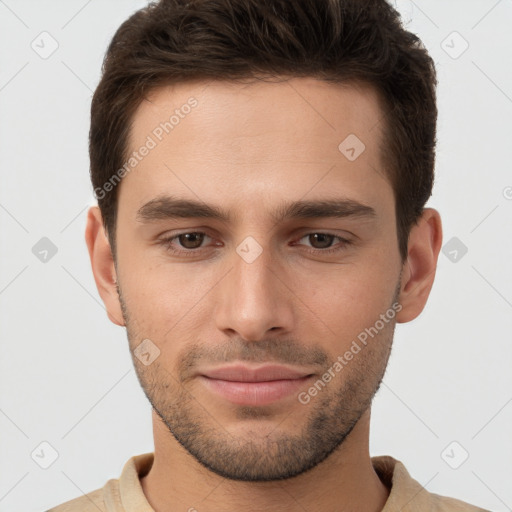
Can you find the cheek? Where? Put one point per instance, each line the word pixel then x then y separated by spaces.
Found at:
pixel 350 299
pixel 162 295
pixel 162 298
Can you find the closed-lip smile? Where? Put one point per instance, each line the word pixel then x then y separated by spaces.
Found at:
pixel 262 385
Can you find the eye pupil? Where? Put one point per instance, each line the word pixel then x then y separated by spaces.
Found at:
pixel 191 240
pixel 324 239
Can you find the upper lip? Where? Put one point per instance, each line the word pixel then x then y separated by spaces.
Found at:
pixel 241 373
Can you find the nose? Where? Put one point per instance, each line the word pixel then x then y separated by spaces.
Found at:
pixel 254 298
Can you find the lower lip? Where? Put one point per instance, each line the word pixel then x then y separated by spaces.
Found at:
pixel 254 393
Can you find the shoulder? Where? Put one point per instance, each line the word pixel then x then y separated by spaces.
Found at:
pixel 447 504
pixel 406 493
pixel 105 499
pixel 90 502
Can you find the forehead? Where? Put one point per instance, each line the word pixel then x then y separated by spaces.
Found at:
pixel 223 138
pixel 294 106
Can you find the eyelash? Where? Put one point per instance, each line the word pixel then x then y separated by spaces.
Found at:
pixel 166 242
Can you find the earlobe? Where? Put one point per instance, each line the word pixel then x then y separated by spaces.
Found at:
pixel 419 269
pixel 102 264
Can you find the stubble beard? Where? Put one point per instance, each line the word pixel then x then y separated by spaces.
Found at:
pixel 268 453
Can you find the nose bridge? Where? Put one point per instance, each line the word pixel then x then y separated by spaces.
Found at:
pixel 253 267
pixel 252 299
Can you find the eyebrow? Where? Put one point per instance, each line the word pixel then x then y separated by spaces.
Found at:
pixel 169 207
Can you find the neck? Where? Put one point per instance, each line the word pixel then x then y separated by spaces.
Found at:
pixel 344 481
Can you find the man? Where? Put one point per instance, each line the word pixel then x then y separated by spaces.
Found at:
pixel 261 169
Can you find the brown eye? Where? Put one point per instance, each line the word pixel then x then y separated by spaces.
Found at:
pixel 191 240
pixel 321 240
pixel 189 243
pixel 319 243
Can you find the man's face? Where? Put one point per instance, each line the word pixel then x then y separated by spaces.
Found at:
pixel 259 287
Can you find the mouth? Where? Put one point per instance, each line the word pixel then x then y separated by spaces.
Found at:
pixel 242 385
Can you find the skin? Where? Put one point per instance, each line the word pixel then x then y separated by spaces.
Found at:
pixel 247 148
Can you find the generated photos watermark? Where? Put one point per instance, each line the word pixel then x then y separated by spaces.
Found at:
pixel 152 140
pixel 304 397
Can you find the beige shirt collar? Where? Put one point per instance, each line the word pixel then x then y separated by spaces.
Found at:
pixel 406 494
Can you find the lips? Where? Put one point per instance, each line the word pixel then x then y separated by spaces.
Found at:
pixel 265 373
pixel 242 385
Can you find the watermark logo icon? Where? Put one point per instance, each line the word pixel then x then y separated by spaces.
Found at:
pixel 455 455
pixel 45 45
pixel 44 455
pixel 44 250
pixel 454 249
pixel 146 352
pixel 352 147
pixel 249 249
pixel 454 45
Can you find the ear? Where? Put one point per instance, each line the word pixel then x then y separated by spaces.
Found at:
pixel 102 264
pixel 419 269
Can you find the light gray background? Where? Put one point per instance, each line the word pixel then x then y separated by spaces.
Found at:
pixel 66 375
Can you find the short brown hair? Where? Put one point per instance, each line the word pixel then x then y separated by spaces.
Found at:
pixel 339 41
